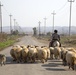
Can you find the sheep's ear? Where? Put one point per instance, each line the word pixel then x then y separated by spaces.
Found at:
pixel 36 46
pixel 28 46
pixel 41 46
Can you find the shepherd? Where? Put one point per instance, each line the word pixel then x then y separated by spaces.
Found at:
pixel 55 39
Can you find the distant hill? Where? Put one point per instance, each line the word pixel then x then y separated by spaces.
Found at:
pixel 61 30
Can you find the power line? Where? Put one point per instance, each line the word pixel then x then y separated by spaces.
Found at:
pixel 6 10
pixel 61 7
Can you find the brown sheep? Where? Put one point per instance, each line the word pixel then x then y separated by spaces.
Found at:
pixel 2 59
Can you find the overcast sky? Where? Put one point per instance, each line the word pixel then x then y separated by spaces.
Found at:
pixel 30 12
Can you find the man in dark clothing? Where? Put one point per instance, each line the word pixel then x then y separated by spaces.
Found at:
pixel 55 37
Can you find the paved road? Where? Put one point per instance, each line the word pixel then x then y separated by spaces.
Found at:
pixel 52 67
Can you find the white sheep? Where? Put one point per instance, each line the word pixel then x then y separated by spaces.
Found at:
pixel 42 54
pixel 51 52
pixel 18 53
pixel 48 51
pixel 12 53
pixel 32 54
pixel 63 55
pixel 57 51
pixel 24 53
pixel 71 59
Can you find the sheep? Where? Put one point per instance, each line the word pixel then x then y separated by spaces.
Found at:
pixel 24 53
pixel 51 52
pixel 71 59
pixel 71 49
pixel 63 56
pixel 32 54
pixel 32 46
pixel 42 54
pixel 64 52
pixel 57 51
pixel 12 53
pixel 2 59
pixel 48 51
pixel 17 53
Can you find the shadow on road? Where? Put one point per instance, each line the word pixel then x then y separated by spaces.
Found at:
pixel 10 61
pixel 55 69
pixel 54 65
pixel 51 65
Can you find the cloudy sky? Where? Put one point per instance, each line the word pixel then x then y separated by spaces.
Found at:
pixel 30 12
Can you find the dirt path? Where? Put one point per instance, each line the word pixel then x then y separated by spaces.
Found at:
pixel 52 67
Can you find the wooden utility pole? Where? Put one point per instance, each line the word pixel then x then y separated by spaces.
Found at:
pixel 53 19
pixel 14 24
pixel 70 16
pixel 45 26
pixel 0 17
pixel 10 24
pixel 39 28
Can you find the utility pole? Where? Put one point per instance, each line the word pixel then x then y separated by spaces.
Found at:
pixel 70 16
pixel 45 26
pixel 14 24
pixel 39 28
pixel 0 17
pixel 53 19
pixel 10 24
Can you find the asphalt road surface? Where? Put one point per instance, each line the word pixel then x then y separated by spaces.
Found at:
pixel 52 67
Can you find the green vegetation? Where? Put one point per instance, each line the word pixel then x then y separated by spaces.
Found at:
pixel 65 40
pixel 6 44
pixel 70 41
pixel 8 40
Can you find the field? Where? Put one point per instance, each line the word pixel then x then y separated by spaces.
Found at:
pixel 66 41
pixel 7 40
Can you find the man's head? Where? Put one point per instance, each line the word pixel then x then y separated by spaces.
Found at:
pixel 55 31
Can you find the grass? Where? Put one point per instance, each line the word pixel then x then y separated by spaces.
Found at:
pixel 65 40
pixel 6 44
pixel 7 40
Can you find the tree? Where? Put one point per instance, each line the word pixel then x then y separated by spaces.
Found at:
pixel 48 33
pixel 16 32
pixel 34 31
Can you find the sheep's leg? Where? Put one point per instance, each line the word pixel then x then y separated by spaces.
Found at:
pixel 69 66
pixel 4 63
pixel 72 66
pixel 42 60
pixel 1 63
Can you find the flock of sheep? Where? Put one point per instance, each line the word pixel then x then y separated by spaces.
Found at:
pixel 29 53
pixel 33 53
